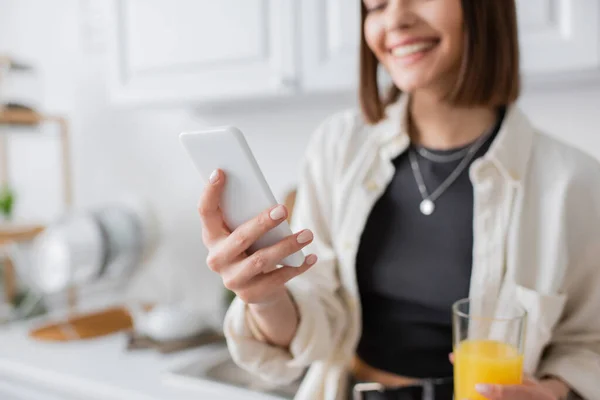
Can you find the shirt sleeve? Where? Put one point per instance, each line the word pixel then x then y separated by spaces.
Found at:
pixel 322 311
pixel 574 352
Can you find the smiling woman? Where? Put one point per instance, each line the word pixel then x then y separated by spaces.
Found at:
pixel 469 48
pixel 439 191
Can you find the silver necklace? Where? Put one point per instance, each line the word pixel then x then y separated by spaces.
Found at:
pixel 445 158
pixel 427 205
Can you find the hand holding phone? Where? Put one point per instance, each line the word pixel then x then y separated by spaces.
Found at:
pixel 244 229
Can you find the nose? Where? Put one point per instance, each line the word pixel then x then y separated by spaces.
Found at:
pixel 399 15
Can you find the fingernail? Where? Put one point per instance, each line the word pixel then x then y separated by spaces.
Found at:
pixel 214 177
pixel 311 259
pixel 304 237
pixel 483 389
pixel 277 213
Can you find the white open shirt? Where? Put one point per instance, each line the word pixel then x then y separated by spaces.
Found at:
pixel 536 231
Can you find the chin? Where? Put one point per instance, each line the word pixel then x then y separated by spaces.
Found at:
pixel 412 84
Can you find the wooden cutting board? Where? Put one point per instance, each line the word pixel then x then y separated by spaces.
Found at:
pixel 87 326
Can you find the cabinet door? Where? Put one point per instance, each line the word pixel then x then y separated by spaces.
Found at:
pixel 559 35
pixel 186 51
pixel 330 39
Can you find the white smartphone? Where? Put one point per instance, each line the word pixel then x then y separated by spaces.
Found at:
pixel 246 193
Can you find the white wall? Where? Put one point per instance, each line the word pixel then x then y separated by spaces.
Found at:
pixel 119 151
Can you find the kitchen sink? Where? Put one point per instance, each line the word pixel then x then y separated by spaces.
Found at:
pixel 228 372
pixel 222 374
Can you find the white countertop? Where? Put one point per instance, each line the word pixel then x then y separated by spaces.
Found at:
pixel 101 369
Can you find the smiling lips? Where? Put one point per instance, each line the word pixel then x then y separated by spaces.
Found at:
pixel 413 49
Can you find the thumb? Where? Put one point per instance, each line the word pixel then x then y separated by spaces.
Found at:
pixel 506 392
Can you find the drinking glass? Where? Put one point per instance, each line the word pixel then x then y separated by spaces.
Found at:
pixel 488 345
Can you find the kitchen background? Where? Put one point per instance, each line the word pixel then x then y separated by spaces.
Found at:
pixel 125 136
pixel 130 75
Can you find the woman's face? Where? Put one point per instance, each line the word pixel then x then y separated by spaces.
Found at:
pixel 419 42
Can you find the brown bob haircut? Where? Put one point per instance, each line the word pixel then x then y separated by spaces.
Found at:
pixel 489 71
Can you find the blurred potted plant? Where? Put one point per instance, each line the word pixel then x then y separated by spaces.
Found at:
pixel 7 201
pixel 24 304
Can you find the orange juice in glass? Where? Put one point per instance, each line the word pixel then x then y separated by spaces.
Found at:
pixel 488 346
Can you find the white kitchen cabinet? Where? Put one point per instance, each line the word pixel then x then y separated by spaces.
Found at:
pixel 200 50
pixel 559 35
pixel 556 37
pixel 330 36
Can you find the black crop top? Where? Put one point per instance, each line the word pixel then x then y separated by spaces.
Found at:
pixel 412 267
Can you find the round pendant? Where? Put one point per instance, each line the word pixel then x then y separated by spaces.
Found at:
pixel 427 207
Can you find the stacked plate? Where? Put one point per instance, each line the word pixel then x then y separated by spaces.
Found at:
pixel 20 85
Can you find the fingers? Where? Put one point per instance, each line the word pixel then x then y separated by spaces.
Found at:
pixel 529 381
pixel 265 260
pixel 451 358
pixel 248 233
pixel 227 250
pixel 208 208
pixel 231 247
pixel 283 275
pixel 264 286
pixel 508 392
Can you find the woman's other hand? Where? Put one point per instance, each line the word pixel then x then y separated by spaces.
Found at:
pixel 529 390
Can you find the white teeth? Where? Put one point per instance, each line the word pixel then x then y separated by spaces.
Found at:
pixel 406 50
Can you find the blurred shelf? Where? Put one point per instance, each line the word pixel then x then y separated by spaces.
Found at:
pixel 24 117
pixel 10 232
pixel 12 64
pixel 20 117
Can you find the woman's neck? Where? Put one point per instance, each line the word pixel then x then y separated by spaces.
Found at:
pixel 435 124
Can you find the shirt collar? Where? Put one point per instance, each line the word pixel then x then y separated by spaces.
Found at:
pixel 509 152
